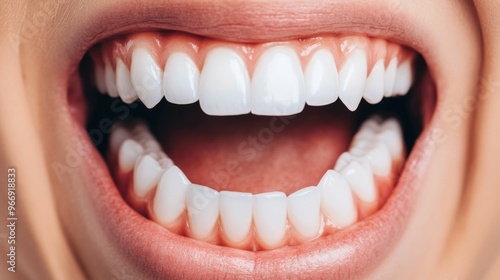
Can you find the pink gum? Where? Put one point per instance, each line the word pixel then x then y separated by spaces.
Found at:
pixel 144 206
pixel 162 44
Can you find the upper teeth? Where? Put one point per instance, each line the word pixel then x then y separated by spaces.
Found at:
pixel 277 82
pixel 342 196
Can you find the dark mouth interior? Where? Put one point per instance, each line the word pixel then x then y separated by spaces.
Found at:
pixel 168 119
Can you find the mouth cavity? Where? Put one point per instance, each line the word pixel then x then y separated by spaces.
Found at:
pixel 291 141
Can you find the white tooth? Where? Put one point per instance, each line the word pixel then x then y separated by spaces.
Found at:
pixel 130 150
pixel 170 197
pixel 321 79
pixel 142 134
pixel 352 79
pixel 363 139
pixel 224 84
pixel 374 90
pixel 123 83
pixel 278 83
pixel 404 78
pixel 392 136
pixel 100 80
pixel 304 211
pixel 390 77
pixel 360 180
pixel 110 77
pixel 146 175
pixel 118 135
pixel 203 210
pixel 337 201
pixel 180 79
pixel 236 214
pixel 343 160
pixel 368 130
pixel 379 158
pixel 146 78
pixel 269 213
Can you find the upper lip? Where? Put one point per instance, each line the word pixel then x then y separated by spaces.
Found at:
pixel 350 253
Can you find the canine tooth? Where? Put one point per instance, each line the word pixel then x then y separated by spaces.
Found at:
pixel 130 150
pixel 337 202
pixel 404 78
pixel 170 198
pixel 180 79
pixel 224 84
pixel 374 90
pixel 277 86
pixel 390 77
pixel 304 211
pixel 146 175
pixel 236 214
pixel 269 212
pixel 100 81
pixel 321 79
pixel 352 79
pixel 110 77
pixel 360 180
pixel 124 83
pixel 203 210
pixel 146 78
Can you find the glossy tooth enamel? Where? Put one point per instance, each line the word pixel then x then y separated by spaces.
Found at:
pixel 321 79
pixel 110 78
pixel 352 79
pixel 337 201
pixel 378 156
pixel 304 212
pixel 360 180
pixel 390 77
pixel 278 83
pixel 281 81
pixel 236 215
pixel 180 79
pixel 374 89
pixel 270 213
pixel 146 175
pixel 203 211
pixel 404 78
pixel 170 198
pixel 130 150
pixel 146 77
pixel 124 83
pixel 391 134
pixel 224 84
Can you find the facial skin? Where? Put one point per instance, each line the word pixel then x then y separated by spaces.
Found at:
pixel 453 229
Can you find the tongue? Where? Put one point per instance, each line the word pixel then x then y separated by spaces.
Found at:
pixel 254 153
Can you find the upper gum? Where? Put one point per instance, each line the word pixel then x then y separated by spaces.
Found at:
pixel 162 45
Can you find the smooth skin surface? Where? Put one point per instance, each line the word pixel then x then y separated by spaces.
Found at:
pixel 453 233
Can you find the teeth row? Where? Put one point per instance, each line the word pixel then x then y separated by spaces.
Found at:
pixel 333 203
pixel 278 85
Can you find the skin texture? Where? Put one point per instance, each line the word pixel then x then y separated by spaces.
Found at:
pixel 453 232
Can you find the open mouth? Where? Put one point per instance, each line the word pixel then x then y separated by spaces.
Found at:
pixel 254 152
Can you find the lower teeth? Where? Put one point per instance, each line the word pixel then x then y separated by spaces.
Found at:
pixel 357 186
